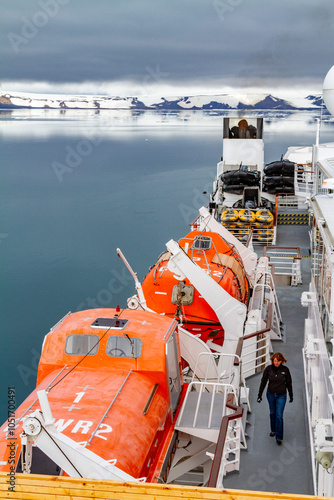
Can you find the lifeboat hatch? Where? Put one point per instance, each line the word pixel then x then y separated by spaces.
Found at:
pixel 183 294
pixel 202 243
pixel 41 464
pixel 110 323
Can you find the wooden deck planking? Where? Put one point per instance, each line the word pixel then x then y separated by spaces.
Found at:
pixel 36 487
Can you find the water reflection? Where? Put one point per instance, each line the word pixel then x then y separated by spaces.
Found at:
pixel 45 124
pixel 132 180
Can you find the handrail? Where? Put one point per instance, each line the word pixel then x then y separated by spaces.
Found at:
pixel 269 315
pixel 212 356
pixel 46 389
pixel 238 412
pixel 277 203
pixel 298 256
pixel 275 211
pixel 197 217
pixel 218 456
pixel 241 341
pixel 287 260
pixel 107 410
pixel 150 398
pixel 250 234
pixel 195 220
pixel 203 388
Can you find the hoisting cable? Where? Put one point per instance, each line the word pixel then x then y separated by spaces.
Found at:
pixel 59 448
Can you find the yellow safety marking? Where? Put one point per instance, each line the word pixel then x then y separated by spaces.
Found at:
pixel 286 255
pixel 292 215
pixel 37 487
pixel 301 223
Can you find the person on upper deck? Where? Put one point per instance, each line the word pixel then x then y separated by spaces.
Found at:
pixel 251 132
pixel 243 126
pixel 280 382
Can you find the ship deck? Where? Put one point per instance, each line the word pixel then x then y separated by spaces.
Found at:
pixel 265 466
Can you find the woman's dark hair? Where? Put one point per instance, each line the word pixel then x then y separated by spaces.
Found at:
pixel 278 356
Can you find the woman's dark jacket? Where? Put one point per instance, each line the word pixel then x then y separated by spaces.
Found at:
pixel 279 378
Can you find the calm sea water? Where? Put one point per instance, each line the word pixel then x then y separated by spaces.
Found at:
pixel 77 185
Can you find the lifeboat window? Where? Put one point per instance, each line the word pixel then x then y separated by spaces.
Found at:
pixel 124 347
pixel 82 344
pixel 202 243
pixel 110 323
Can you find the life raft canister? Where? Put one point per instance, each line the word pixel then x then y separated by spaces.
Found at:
pixel 278 180
pixel 234 188
pixel 240 178
pixel 279 189
pixel 283 167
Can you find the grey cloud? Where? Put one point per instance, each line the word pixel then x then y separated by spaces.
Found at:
pixel 188 39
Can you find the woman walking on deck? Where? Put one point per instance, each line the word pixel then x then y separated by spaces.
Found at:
pixel 280 382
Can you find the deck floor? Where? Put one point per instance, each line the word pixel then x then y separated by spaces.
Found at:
pixel 265 466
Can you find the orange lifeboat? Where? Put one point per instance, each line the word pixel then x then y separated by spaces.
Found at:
pixel 108 387
pixel 166 294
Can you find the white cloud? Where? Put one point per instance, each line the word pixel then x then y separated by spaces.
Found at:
pixel 284 89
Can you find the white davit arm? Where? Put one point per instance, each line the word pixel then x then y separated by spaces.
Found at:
pixel 141 296
pixel 230 312
pixel 249 258
pixel 74 459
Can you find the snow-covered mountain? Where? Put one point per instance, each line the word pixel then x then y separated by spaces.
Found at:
pixel 10 100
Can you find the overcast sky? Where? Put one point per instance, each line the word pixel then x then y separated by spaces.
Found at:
pixel 139 47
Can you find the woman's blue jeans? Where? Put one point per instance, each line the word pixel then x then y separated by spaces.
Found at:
pixel 276 408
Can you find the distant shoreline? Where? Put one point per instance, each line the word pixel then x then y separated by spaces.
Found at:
pixel 223 102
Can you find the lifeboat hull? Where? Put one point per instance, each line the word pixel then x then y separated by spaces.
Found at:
pixel 166 294
pixel 117 406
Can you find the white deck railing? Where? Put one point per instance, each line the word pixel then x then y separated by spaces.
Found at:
pixel 319 375
pixel 286 261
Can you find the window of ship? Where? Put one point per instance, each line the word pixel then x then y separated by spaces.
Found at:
pixel 124 347
pixel 82 344
pixel 202 243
